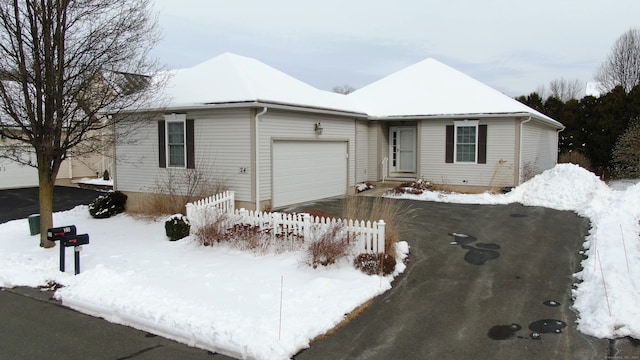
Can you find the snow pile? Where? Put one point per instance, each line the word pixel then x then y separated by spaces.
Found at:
pixel 606 298
pixel 216 298
pixel 93 181
pixel 564 187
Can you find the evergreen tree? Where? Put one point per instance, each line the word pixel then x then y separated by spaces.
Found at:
pixel 626 154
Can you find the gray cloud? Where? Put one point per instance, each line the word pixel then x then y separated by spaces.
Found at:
pixel 512 46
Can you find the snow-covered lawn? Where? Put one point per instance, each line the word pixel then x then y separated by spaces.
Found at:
pixel 217 298
pixel 270 306
pixel 607 296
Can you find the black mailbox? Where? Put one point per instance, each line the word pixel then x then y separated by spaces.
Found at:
pixel 68 237
pixel 75 240
pixel 59 233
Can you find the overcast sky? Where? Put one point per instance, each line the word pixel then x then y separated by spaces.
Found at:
pixel 512 45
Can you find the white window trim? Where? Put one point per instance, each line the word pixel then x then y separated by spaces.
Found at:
pixel 464 123
pixel 176 118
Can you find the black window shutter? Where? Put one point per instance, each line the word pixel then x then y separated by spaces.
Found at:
pixel 449 144
pixel 191 161
pixel 482 144
pixel 162 145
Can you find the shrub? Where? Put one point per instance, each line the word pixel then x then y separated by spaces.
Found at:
pixel 414 187
pixel 575 157
pixel 370 263
pixel 626 153
pixel 160 205
pixel 395 214
pixel 364 186
pixel 319 213
pixel 107 205
pixel 177 227
pixel 328 246
pixel 212 231
pixel 105 175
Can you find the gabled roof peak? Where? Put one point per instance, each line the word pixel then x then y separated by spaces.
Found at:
pixel 231 78
pixel 431 88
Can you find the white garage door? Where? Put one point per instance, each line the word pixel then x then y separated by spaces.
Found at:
pixel 14 175
pixel 308 170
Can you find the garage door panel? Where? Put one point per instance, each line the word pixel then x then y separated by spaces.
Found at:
pixel 14 175
pixel 308 170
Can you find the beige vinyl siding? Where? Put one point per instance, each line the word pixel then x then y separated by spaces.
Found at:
pixel 362 151
pixel 222 147
pixel 374 167
pixel 288 125
pixel 539 149
pixel 137 156
pixel 501 155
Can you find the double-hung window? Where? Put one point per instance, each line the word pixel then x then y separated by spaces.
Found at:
pixel 175 142
pixel 466 141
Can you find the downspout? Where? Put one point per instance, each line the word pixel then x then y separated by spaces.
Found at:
pixel 520 151
pixel 257 155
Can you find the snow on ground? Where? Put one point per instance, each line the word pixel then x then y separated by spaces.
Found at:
pixel 217 298
pixel 228 301
pixel 608 292
pixel 93 181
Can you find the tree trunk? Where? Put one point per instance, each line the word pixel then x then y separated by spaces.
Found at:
pixel 46 207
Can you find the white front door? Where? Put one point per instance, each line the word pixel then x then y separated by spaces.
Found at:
pixel 402 151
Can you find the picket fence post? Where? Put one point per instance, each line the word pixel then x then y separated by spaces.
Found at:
pixel 380 236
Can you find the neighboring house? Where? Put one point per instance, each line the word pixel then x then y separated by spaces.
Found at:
pixel 90 164
pixel 14 175
pixel 277 141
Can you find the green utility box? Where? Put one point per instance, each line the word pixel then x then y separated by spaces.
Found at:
pixel 34 224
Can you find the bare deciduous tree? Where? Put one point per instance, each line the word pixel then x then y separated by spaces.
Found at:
pixel 565 90
pixel 622 66
pixel 343 89
pixel 63 64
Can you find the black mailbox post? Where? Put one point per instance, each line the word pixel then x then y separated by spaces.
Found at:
pixel 58 234
pixel 68 237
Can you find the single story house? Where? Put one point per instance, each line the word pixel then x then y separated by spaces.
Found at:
pixel 277 141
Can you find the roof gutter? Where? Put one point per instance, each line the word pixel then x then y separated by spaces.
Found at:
pixel 245 104
pixel 545 120
pixel 257 155
pixel 520 150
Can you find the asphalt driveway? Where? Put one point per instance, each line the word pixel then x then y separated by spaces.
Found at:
pixel 20 203
pixel 449 306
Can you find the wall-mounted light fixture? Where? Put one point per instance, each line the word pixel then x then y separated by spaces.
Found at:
pixel 318 128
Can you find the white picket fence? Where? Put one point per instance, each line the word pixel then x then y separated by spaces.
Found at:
pixel 201 211
pixel 287 229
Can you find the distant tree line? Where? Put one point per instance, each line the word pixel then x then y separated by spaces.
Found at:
pixel 602 133
pixel 593 124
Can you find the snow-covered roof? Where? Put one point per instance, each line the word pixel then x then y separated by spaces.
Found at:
pixel 432 89
pixel 230 78
pixel 426 89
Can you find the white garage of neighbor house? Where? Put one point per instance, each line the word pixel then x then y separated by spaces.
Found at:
pixel 14 175
pixel 277 141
